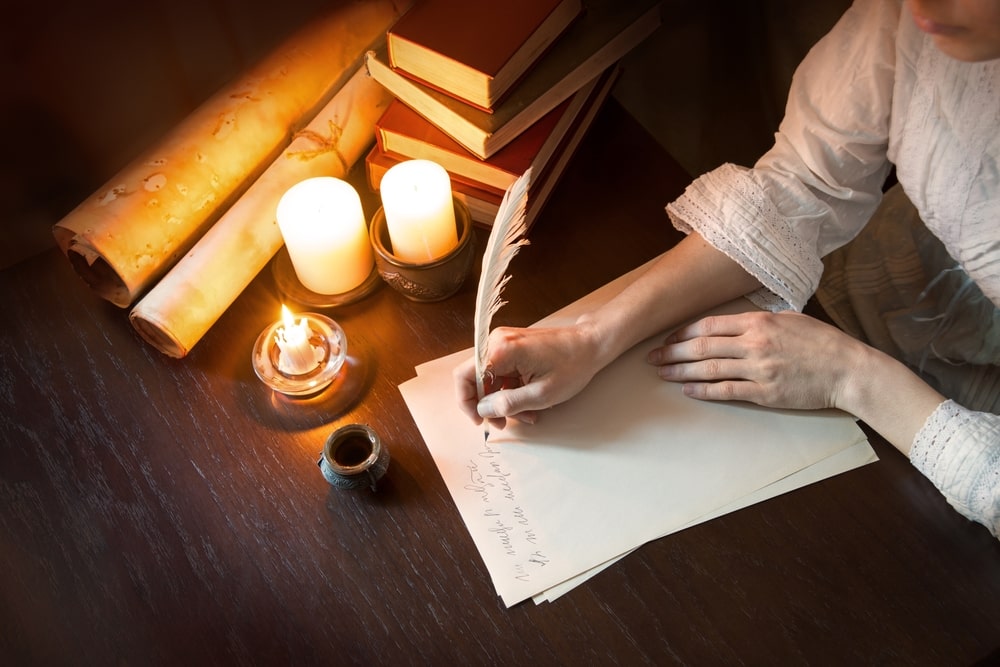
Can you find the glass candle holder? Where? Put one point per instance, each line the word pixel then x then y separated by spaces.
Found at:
pixel 311 366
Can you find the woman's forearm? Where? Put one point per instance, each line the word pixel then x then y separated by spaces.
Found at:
pixel 886 395
pixel 687 280
pixel 694 277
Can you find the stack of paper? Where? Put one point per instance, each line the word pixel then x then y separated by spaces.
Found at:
pixel 628 460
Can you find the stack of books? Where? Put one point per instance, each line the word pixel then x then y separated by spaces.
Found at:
pixel 489 91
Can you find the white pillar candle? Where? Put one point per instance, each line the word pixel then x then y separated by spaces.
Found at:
pixel 324 229
pixel 419 210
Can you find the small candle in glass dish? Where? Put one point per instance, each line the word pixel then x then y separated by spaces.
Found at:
pixel 300 354
pixel 323 225
pixel 419 211
pixel 297 356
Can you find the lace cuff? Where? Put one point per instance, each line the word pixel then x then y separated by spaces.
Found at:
pixel 959 451
pixel 730 210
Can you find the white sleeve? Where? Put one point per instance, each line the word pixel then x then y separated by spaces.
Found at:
pixel 959 451
pixel 822 180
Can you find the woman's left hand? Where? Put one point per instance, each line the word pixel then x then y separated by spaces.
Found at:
pixel 781 360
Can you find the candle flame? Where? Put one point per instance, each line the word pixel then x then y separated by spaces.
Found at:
pixel 287 317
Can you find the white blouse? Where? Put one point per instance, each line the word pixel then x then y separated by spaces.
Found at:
pixel 874 92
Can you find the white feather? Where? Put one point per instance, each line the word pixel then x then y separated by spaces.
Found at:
pixel 506 239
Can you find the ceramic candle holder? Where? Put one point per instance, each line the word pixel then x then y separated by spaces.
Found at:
pixel 291 289
pixel 431 281
pixel 328 343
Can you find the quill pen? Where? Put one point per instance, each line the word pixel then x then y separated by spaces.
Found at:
pixel 506 238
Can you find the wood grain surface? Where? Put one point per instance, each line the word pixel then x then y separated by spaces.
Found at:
pixel 156 511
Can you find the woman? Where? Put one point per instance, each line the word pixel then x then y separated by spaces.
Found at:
pixel 914 85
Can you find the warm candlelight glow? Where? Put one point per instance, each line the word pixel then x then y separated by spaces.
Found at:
pixel 419 211
pixel 298 356
pixel 323 225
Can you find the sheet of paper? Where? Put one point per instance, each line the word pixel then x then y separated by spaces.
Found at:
pixel 627 460
pixel 847 459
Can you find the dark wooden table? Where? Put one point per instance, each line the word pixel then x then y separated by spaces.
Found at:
pixel 157 511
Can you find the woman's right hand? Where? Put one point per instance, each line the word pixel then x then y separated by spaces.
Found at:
pixel 532 369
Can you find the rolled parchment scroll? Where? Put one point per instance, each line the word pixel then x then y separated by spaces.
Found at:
pixel 128 234
pixel 184 304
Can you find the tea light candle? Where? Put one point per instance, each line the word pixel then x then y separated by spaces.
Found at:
pixel 419 211
pixel 298 356
pixel 324 229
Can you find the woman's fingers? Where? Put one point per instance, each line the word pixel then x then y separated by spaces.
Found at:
pixel 717 337
pixel 716 325
pixel 708 370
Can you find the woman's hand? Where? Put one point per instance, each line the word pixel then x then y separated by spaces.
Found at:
pixel 535 368
pixel 781 360
pixel 790 360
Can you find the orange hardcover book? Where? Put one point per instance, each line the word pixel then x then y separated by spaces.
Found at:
pixel 475 50
pixel 484 201
pixel 403 131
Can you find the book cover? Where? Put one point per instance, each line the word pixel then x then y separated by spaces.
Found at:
pixel 475 51
pixel 403 131
pixel 567 148
pixel 602 35
pixel 484 201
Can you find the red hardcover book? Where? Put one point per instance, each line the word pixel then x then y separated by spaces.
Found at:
pixel 483 200
pixel 403 131
pixel 605 32
pixel 474 50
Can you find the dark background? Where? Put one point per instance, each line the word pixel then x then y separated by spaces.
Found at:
pixel 87 86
